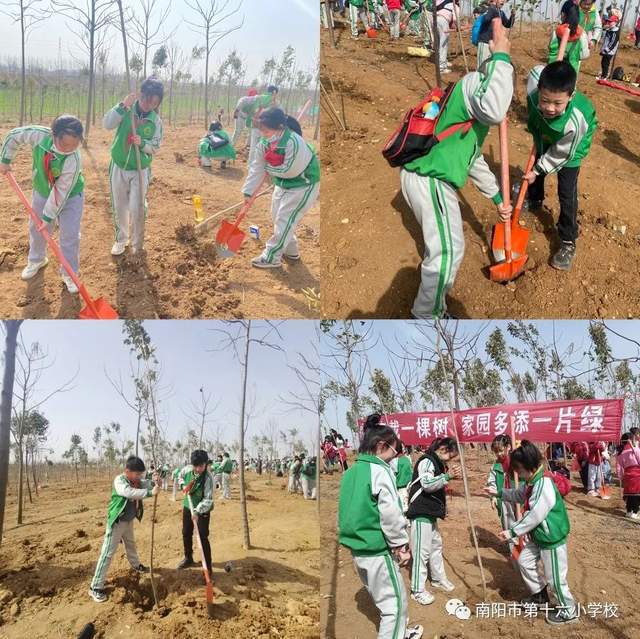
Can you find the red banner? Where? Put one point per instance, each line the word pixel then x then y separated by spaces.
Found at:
pixel 562 421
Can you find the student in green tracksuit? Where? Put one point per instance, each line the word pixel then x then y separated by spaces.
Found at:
pixel 200 483
pixel 562 122
pixel 308 478
pixel 123 173
pixel 175 474
pixel 216 471
pixel 545 524
pixel 127 493
pixel 427 504
pixel 294 169
pixel 403 470
pixel 577 48
pixel 58 188
pixel 249 108
pixel 371 525
pixel 226 469
pixel 366 15
pixel 429 183
pixel 216 146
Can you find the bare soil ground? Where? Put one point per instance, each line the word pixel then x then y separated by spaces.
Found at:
pixel 603 567
pixel 272 592
pixel 180 276
pixel 372 245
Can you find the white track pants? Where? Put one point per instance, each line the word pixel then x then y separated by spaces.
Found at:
pixel 382 579
pixel 123 530
pixel 394 23
pixel 426 548
pixel 435 205
pixel 226 485
pixel 308 487
pixel 593 476
pixel 288 207
pixel 125 202
pixel 356 13
pixel 555 572
pixel 443 32
pixel 69 222
pixel 240 125
pixel 254 138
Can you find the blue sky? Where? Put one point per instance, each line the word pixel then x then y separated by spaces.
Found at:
pixel 401 337
pixel 268 28
pixel 184 351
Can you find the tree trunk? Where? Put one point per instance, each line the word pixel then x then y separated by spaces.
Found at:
pixel 20 471
pixel 206 83
pixel 23 73
pixel 76 467
pixel 26 476
pixel 246 539
pixel 92 34
pixel 12 328
pixel 436 45
pixel 33 473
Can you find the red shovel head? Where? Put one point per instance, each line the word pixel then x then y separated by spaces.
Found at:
pixel 103 310
pixel 372 33
pixel 507 271
pixel 229 239
pixel 519 241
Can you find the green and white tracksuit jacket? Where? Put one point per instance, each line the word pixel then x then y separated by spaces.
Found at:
pixel 58 190
pixel 123 174
pixel 207 152
pixel 201 491
pixel 249 107
pixel 429 183
pixel 545 526
pixel 575 52
pixel 563 141
pixel 591 23
pixel 506 510
pixel 308 479
pixel 294 169
pixel 366 14
pixel 402 469
pixel 118 530
pixel 370 524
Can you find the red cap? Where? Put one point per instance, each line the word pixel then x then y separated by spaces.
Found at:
pixel 252 92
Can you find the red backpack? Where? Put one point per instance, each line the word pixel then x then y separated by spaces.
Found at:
pixel 415 136
pixel 562 484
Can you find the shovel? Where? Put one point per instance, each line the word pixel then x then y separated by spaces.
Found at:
pixel 512 266
pixel 519 235
pixel 372 33
pixel 94 309
pixel 229 237
pixel 207 578
pixel 605 491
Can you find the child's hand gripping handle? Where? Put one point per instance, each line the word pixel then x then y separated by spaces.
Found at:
pixel 249 202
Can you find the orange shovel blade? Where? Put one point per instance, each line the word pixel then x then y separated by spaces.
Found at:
pixel 229 239
pixel 372 33
pixel 519 241
pixel 605 492
pixel 507 271
pixel 103 311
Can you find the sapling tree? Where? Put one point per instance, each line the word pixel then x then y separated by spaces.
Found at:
pixel 75 453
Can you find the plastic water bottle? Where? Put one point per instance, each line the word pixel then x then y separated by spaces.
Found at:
pixel 197 205
pixel 254 231
pixel 432 109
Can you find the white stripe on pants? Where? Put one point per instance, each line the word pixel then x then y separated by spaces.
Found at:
pixel 354 14
pixel 394 23
pixel 382 579
pixel 484 53
pixel 226 485
pixel 443 32
pixel 593 482
pixel 288 206
pixel 555 572
pixel 426 548
pixel 122 530
pixel 69 223
pixel 435 205
pixel 125 202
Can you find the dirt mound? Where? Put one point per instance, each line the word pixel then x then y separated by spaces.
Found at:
pixel 372 245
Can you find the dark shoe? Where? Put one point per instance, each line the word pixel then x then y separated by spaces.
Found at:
pixel 561 616
pixel 539 598
pixel 141 568
pixel 98 595
pixel 187 563
pixel 564 256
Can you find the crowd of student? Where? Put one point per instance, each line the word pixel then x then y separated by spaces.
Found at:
pixel 392 498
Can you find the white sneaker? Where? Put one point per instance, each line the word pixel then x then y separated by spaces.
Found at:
pixel 69 283
pixel 424 597
pixel 445 585
pixel 592 493
pixel 118 248
pixel 414 633
pixel 260 262
pixel 635 516
pixel 32 268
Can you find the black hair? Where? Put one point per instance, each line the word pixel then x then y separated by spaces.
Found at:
pixel 276 118
pixel 151 87
pixel 570 15
pixel 559 77
pixel 624 440
pixel 526 456
pixel 374 433
pixel 272 88
pixel 215 126
pixel 500 441
pixel 444 442
pixel 135 463
pixel 67 125
pixel 199 457
pixel 226 455
pixel 635 431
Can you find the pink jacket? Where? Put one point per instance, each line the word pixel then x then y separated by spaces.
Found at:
pixel 393 4
pixel 626 459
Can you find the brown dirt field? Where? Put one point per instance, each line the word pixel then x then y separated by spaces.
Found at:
pixel 271 593
pixel 180 276
pixel 603 567
pixel 370 261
